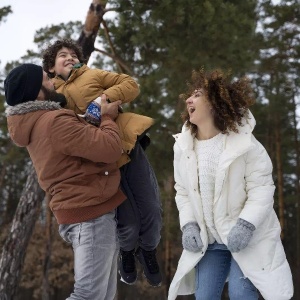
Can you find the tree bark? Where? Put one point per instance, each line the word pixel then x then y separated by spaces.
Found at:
pixel 168 189
pixel 47 260
pixel 91 26
pixel 14 249
pixel 297 148
pixel 279 176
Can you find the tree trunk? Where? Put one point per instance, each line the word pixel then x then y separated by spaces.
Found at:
pixel 91 26
pixel 168 189
pixel 47 260
pixel 279 176
pixel 13 252
pixel 297 148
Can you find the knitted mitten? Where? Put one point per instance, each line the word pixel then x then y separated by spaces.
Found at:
pixel 93 114
pixel 191 239
pixel 240 235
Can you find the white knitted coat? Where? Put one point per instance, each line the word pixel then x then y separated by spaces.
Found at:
pixel 243 189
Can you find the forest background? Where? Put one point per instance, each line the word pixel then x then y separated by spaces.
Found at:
pixel 159 43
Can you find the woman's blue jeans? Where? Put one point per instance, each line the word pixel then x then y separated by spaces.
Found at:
pixel 212 271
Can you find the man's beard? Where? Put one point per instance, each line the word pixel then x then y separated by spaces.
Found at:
pixel 51 95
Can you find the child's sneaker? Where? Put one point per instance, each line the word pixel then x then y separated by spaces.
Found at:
pixel 127 267
pixel 150 266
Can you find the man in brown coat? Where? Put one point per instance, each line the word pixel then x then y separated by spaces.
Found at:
pixel 76 163
pixel 139 217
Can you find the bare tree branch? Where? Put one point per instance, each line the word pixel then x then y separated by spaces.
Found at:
pixel 106 31
pixel 118 60
pixel 111 9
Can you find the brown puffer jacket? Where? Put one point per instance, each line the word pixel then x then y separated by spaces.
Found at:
pixel 75 162
pixel 84 85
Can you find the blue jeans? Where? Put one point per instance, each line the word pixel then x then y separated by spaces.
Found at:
pixel 95 249
pixel 212 271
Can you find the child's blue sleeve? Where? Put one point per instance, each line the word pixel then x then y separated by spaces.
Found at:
pixel 93 114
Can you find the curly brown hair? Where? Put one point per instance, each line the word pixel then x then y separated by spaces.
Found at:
pixel 229 100
pixel 49 54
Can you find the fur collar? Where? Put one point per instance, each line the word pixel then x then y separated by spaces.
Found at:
pixel 31 106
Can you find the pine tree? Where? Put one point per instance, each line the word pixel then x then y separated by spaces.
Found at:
pixel 278 86
pixel 159 43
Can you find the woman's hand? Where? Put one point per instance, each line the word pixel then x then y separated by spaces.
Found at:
pixel 240 235
pixel 191 239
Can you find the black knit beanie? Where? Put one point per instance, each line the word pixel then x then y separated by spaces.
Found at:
pixel 23 84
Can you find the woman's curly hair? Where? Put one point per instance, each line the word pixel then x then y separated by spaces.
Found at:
pixel 49 54
pixel 229 100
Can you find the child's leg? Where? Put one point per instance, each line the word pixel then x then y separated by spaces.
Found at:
pixel 144 189
pixel 139 217
pixel 144 195
pixel 128 217
pixel 128 232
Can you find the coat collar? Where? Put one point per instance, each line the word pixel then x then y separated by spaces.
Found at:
pixel 31 106
pixel 236 144
pixel 76 72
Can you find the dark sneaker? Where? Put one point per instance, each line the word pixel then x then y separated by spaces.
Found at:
pixel 150 266
pixel 127 267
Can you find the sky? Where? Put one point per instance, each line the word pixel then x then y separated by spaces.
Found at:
pixel 17 32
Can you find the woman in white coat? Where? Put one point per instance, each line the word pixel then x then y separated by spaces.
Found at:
pixel 224 195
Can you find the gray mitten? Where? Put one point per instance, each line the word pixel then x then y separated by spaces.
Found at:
pixel 191 239
pixel 240 235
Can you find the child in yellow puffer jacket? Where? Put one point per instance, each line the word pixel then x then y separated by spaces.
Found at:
pixel 139 217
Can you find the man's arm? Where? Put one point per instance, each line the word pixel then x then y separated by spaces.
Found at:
pixel 75 137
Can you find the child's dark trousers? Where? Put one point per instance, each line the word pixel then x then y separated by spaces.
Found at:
pixel 139 217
